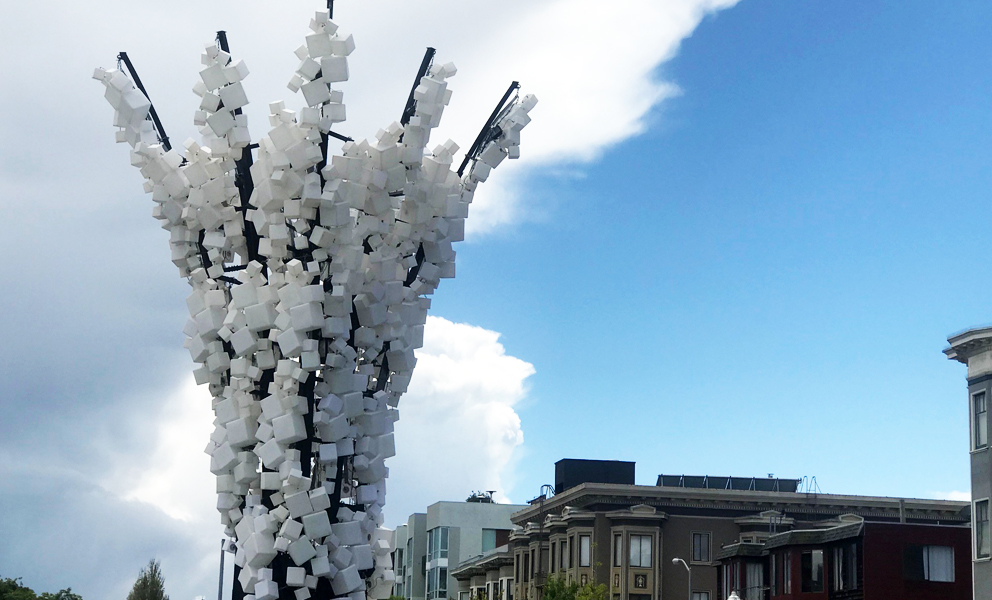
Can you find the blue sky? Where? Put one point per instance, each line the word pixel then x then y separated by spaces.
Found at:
pixel 735 244
pixel 763 281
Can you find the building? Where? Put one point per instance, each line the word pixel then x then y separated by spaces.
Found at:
pixel 626 536
pixel 410 558
pixel 974 349
pixel 431 544
pixel 850 558
pixel 488 576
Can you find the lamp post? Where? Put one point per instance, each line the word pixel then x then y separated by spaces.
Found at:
pixel 688 569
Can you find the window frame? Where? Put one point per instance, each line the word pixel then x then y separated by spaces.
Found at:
pixel 977 534
pixel 787 572
pixel 585 548
pixel 816 586
pixel 773 574
pixel 844 567
pixel 640 537
pixel 979 419
pixel 708 548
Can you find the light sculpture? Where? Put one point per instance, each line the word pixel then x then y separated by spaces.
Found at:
pixel 311 276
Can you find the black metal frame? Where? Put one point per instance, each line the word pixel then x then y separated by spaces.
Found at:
pixel 489 131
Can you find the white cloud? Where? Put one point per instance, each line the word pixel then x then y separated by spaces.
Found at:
pixel 458 430
pixel 592 66
pixel 175 477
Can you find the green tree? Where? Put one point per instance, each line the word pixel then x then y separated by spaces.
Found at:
pixel 13 589
pixel 591 591
pixel 65 594
pixel 556 589
pixel 150 584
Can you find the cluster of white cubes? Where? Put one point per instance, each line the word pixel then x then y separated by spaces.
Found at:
pixel 308 349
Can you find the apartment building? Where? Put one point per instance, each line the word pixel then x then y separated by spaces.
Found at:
pixel 626 536
pixel 431 544
pixel 974 349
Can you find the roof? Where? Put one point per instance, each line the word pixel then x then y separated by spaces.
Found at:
pixel 479 564
pixel 740 549
pixel 813 506
pixel 813 537
pixel 968 343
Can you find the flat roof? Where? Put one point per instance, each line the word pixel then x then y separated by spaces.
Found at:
pixel 587 494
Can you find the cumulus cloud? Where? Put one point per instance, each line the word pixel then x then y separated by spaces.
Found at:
pixel 458 429
pixel 90 519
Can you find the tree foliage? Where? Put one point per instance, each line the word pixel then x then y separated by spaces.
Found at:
pixel 150 584
pixel 13 589
pixel 557 589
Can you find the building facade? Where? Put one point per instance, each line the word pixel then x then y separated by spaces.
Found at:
pixel 626 536
pixel 431 544
pixel 974 349
pixel 849 558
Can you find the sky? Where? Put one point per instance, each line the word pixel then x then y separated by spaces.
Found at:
pixel 736 241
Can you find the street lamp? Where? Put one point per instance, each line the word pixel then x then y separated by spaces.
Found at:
pixel 688 569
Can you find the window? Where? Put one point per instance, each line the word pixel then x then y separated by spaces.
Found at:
pixel 812 571
pixel 488 540
pixel 726 581
pixel 618 550
pixel 437 582
pixel 533 563
pixel 845 567
pixel 640 551
pixel 700 596
pixel 928 563
pixel 982 529
pixel 585 551
pixel 526 567
pixel 554 547
pixel 571 551
pixel 754 580
pixel 773 573
pixel 981 424
pixel 437 543
pixel 561 555
pixel 701 547
pixel 787 574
